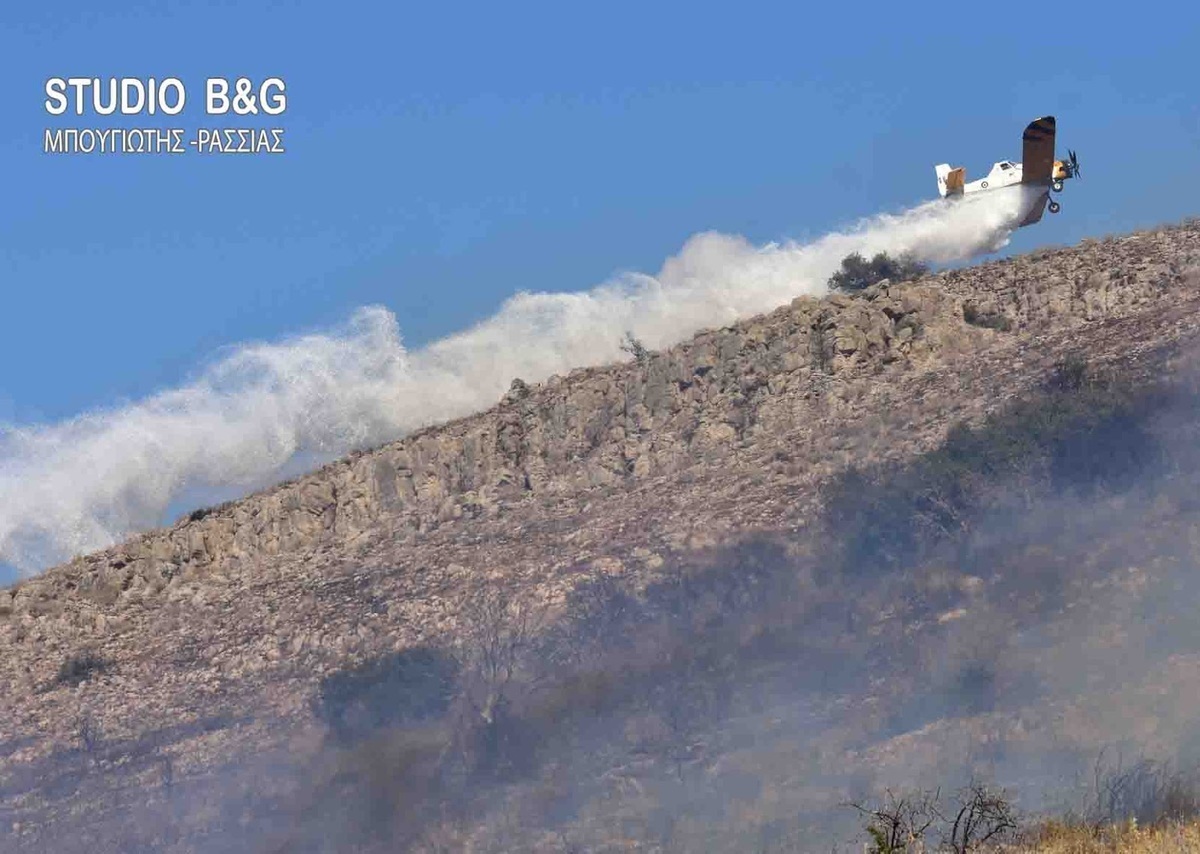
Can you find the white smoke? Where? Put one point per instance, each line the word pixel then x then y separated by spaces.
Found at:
pixel 83 484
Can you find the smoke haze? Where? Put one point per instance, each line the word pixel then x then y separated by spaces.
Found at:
pixel 83 484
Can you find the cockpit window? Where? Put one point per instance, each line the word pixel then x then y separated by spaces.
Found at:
pixel 1005 165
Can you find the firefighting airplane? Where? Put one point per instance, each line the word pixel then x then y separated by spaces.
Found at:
pixel 1039 172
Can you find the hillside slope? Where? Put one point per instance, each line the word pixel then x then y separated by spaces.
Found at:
pixel 200 657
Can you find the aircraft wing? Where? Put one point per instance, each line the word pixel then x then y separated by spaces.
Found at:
pixel 1037 159
pixel 1035 213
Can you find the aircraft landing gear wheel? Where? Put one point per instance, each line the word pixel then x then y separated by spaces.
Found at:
pixel 1055 207
pixel 1057 186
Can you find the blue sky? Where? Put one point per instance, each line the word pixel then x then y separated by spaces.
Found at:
pixel 444 156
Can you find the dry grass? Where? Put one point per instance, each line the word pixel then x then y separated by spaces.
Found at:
pixel 1059 838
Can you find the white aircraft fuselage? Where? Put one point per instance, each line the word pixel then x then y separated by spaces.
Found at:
pixel 1038 173
pixel 1003 174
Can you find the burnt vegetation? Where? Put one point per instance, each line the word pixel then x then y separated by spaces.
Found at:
pixel 917 821
pixel 1150 792
pixel 1085 433
pixel 538 705
pixel 618 713
pixel 406 688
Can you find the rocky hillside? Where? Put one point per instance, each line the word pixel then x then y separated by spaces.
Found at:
pixel 197 655
pixel 726 394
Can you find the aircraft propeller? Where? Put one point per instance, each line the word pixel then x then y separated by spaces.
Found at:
pixel 1074 161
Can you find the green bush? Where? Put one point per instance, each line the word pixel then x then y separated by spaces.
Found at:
pixel 411 686
pixel 634 347
pixel 987 319
pixel 80 667
pixel 858 273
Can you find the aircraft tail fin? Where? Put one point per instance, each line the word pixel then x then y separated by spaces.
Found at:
pixel 950 180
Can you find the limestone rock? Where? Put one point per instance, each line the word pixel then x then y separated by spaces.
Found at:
pixel 615 468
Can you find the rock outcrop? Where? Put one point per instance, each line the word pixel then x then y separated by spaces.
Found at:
pixel 238 610
pixel 695 403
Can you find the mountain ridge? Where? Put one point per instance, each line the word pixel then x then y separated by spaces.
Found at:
pixel 438 472
pixel 217 630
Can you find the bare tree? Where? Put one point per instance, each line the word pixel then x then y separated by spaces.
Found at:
pixel 1147 791
pixel 984 815
pixel 497 648
pixel 599 612
pixel 90 735
pixel 166 768
pixel 899 824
